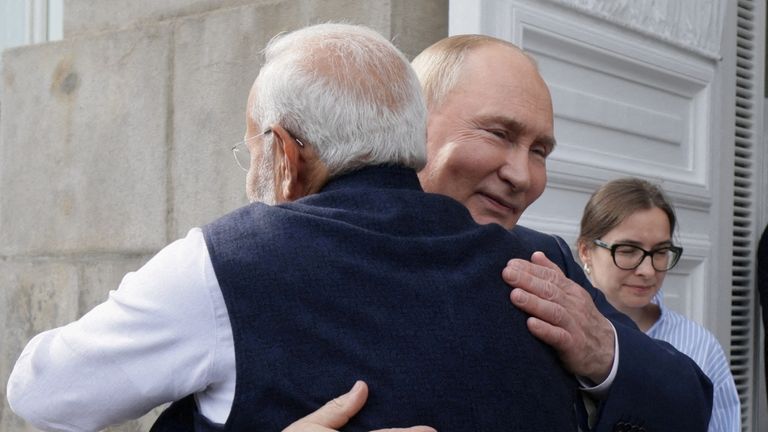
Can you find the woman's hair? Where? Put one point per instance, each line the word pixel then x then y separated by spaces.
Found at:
pixel 615 201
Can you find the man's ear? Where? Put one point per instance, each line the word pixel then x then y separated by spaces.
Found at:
pixel 290 166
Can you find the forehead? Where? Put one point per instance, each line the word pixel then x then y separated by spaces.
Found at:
pixel 499 81
pixel 650 225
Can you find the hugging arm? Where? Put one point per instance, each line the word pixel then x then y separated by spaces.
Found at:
pixel 650 373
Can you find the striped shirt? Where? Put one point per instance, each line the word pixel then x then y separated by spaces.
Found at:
pixel 700 345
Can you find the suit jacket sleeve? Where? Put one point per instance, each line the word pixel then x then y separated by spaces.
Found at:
pixel 762 276
pixel 656 388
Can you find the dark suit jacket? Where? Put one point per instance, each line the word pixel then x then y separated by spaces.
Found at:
pixel 762 290
pixel 657 388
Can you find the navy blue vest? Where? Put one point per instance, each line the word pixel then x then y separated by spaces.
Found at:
pixel 374 279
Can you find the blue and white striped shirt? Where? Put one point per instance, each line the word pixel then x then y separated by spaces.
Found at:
pixel 700 345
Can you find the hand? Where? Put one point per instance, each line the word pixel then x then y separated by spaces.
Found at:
pixel 337 412
pixel 563 315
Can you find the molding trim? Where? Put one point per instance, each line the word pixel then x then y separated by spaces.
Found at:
pixel 622 109
pixel 582 178
pixel 694 25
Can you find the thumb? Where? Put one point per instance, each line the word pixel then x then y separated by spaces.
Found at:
pixel 410 429
pixel 337 412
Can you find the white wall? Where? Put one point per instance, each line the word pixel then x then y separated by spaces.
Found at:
pixel 12 23
pixel 30 21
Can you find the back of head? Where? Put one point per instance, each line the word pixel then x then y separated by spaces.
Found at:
pixel 346 91
pixel 439 66
pixel 615 201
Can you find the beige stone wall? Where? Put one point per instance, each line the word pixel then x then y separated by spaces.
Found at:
pixel 115 141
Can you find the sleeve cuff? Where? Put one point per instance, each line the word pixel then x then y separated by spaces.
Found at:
pixel 599 391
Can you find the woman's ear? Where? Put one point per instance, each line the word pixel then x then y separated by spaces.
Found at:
pixel 584 254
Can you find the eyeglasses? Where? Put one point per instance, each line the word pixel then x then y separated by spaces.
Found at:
pixel 629 257
pixel 243 154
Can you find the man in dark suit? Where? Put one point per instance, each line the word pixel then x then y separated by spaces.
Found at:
pixel 353 273
pixel 762 290
pixel 490 130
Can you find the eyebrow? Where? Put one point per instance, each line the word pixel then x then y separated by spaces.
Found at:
pixel 516 128
pixel 636 243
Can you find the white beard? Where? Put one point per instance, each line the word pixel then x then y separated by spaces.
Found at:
pixel 260 181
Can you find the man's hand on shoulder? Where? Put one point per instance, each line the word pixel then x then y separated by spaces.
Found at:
pixel 337 412
pixel 563 316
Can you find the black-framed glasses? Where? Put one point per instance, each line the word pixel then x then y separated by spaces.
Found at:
pixel 243 154
pixel 629 257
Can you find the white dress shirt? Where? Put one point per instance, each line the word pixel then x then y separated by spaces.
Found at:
pixel 702 347
pixel 162 335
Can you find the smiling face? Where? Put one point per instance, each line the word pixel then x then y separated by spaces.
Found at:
pixel 487 142
pixel 630 291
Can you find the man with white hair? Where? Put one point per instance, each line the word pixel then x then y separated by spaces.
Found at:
pixel 353 273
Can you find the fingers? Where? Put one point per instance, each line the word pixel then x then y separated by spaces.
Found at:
pixel 540 259
pixel 542 278
pixel 334 414
pixel 541 308
pixel 554 336
pixel 410 429
pixel 537 293
pixel 563 315
pixel 541 290
pixel 337 412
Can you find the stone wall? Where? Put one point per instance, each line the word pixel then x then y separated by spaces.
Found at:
pixel 115 141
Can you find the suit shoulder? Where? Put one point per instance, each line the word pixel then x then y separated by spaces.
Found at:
pixel 529 234
pixel 551 244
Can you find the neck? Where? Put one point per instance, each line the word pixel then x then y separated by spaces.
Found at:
pixel 645 317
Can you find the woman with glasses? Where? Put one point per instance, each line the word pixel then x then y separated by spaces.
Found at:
pixel 626 247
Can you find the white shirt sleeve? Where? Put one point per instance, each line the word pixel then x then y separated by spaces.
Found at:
pixel 158 337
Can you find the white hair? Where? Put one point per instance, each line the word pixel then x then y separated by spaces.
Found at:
pixel 347 92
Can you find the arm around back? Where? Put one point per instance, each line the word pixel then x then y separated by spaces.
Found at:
pixel 651 374
pixel 656 386
pixel 655 383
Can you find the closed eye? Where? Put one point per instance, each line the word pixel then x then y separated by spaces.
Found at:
pixel 498 133
pixel 540 151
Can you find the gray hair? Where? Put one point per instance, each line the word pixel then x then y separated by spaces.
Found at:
pixel 347 92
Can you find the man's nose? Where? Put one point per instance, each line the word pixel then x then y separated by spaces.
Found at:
pixel 516 170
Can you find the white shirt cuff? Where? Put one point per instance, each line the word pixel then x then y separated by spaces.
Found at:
pixel 599 391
